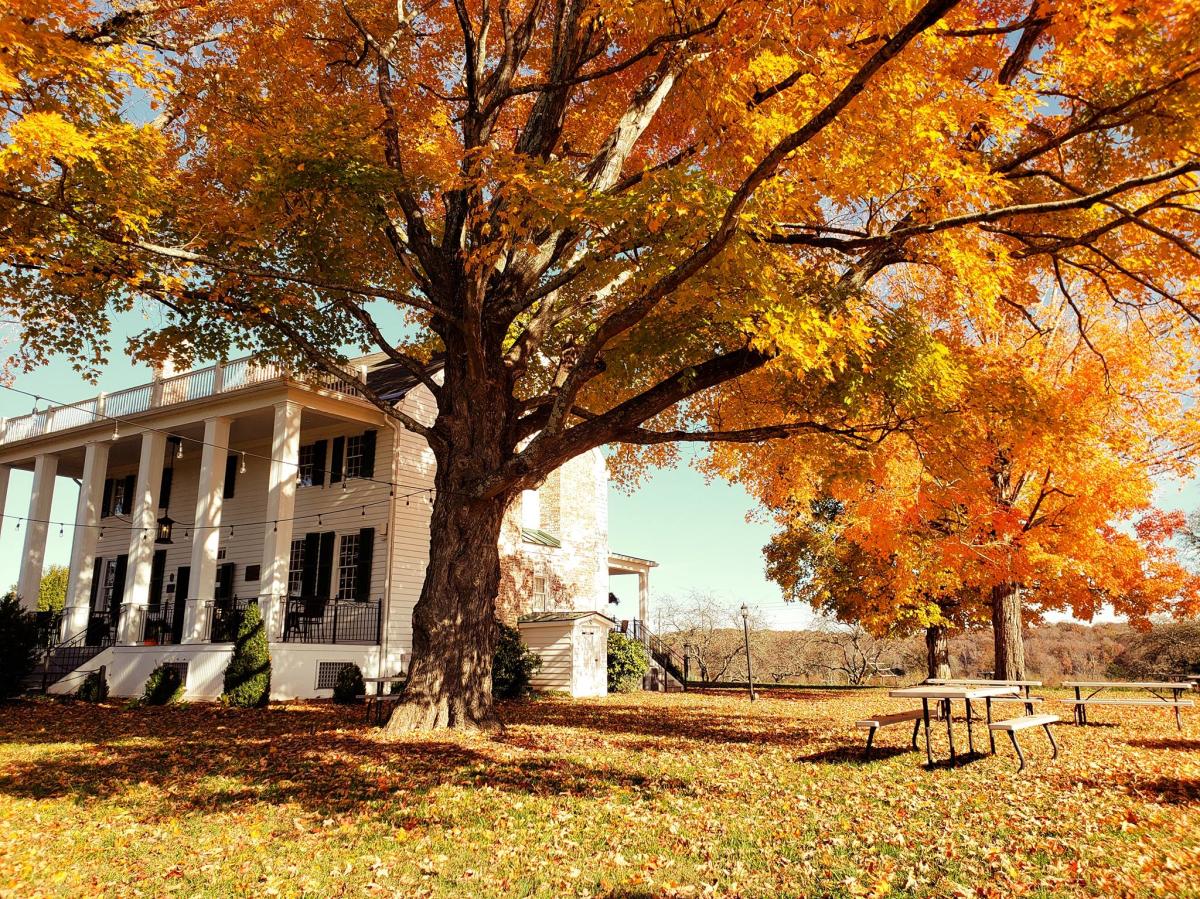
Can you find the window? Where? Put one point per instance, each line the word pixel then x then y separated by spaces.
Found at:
pixel 541 597
pixel 105 599
pixel 304 475
pixel 354 456
pixel 120 496
pixel 296 568
pixel 347 574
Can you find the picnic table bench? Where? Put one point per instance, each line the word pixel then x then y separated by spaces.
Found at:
pixel 1013 726
pixel 947 693
pixel 377 701
pixel 1157 689
pixel 877 721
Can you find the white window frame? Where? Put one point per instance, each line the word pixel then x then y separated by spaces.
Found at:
pixel 295 576
pixel 306 470
pixel 347 568
pixel 352 467
pixel 541 594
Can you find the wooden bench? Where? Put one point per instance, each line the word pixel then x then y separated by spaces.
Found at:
pixel 877 721
pixel 1014 725
pixel 1156 700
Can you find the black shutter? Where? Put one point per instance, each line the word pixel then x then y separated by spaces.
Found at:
pixel 325 566
pixel 339 453
pixel 97 574
pixel 106 502
pixel 368 454
pixel 308 573
pixel 366 551
pixel 118 593
pixel 231 463
pixel 164 491
pixel 158 568
pixel 130 485
pixel 320 457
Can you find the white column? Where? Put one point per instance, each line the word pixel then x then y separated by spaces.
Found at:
pixel 206 531
pixel 5 471
pixel 33 557
pixel 644 597
pixel 87 534
pixel 143 524
pixel 281 506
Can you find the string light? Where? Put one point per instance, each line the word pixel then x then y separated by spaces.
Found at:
pixel 117 421
pixel 242 470
pixel 178 447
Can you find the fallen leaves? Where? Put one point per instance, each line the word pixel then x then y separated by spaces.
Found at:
pixel 695 795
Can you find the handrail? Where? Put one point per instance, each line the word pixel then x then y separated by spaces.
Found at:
pixel 200 383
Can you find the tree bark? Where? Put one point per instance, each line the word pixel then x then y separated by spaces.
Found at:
pixel 1006 630
pixel 937 648
pixel 454 620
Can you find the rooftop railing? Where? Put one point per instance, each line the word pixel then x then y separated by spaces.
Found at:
pixel 214 380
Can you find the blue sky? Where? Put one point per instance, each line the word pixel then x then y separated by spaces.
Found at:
pixel 695 529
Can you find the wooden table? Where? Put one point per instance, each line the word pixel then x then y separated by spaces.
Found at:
pixel 1155 688
pixel 948 693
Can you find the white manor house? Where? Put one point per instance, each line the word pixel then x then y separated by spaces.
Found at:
pixel 203 492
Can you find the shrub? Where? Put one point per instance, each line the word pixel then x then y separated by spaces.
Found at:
pixel 628 663
pixel 248 675
pixel 164 686
pixel 348 685
pixel 513 665
pixel 19 640
pixel 94 687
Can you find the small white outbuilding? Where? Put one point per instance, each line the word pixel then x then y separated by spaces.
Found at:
pixel 573 647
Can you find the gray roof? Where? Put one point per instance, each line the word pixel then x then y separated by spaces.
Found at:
pixel 392 381
pixel 540 537
pixel 540 617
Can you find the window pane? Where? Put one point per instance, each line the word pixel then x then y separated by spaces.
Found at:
pixel 354 456
pixel 304 475
pixel 348 566
pixel 296 568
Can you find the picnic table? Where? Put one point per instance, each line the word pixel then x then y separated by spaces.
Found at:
pixel 376 701
pixel 1024 686
pixel 948 693
pixel 1156 689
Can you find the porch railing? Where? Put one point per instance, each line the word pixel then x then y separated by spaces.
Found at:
pixel 163 622
pixel 224 617
pixel 309 619
pixel 193 385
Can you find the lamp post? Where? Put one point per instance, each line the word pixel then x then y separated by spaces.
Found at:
pixel 746 634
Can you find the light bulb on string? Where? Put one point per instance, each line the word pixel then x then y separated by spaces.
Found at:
pixel 179 448
pixel 242 470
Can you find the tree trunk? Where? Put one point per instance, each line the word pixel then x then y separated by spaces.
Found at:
pixel 937 649
pixel 1006 629
pixel 454 620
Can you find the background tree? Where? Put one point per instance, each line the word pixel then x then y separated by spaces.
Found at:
pixel 710 632
pixel 52 590
pixel 1033 485
pixel 600 212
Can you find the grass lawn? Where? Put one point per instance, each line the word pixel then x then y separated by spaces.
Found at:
pixel 644 795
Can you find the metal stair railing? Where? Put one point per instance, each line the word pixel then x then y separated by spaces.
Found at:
pixel 660 650
pixel 60 659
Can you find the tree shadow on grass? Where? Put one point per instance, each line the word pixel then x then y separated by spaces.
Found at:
pixel 1177 744
pixel 854 755
pixel 324 760
pixel 1172 790
pixel 680 723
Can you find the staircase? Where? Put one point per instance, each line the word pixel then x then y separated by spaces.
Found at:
pixel 666 667
pixel 61 659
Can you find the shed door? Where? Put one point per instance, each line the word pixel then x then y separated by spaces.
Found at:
pixel 590 664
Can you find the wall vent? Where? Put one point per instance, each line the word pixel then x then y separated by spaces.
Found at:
pixel 327 673
pixel 181 667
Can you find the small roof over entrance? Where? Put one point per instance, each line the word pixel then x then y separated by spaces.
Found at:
pixel 551 617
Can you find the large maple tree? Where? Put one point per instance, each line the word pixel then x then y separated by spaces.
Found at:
pixel 601 212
